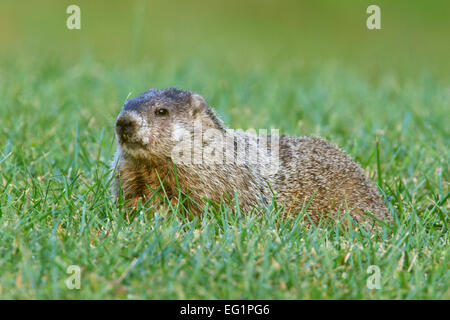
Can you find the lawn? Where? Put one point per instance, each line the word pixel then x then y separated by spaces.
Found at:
pixel 383 100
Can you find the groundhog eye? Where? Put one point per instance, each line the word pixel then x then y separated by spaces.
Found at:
pixel 162 112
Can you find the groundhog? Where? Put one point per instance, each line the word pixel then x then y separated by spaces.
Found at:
pixel 172 145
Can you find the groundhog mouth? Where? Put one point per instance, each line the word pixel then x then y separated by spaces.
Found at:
pixel 135 150
pixel 129 144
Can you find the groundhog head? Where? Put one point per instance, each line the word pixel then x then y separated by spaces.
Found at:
pixel 152 124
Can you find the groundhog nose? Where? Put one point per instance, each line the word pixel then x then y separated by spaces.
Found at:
pixel 125 128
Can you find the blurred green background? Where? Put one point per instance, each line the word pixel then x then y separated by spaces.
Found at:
pixel 241 55
pixel 414 35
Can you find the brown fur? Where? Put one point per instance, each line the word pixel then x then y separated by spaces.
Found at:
pixel 312 174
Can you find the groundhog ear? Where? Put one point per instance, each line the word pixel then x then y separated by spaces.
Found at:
pixel 198 104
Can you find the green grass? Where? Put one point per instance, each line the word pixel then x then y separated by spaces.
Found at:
pixel 56 210
pixel 379 96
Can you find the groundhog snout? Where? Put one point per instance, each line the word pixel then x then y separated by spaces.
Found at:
pixel 125 128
